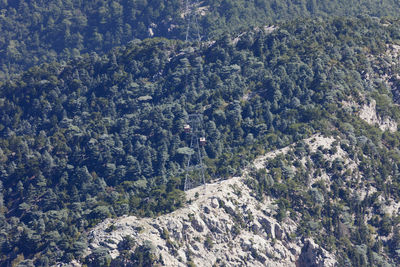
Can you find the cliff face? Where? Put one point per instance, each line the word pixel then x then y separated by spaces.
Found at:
pixel 223 223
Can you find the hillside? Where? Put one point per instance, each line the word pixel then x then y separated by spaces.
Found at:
pixel 223 223
pixel 36 31
pixel 228 224
pixel 99 137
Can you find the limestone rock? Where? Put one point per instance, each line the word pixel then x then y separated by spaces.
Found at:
pixel 218 235
pixel 314 256
pixel 278 232
pixel 197 224
pixel 216 228
pixel 214 203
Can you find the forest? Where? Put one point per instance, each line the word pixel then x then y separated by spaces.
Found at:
pixel 99 136
pixel 37 31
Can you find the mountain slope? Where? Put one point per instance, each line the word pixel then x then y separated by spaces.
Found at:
pixel 34 32
pixel 99 137
pixel 228 224
pixel 223 224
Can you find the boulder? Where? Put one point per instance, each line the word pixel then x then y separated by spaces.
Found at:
pixel 278 232
pixel 197 224
pixel 313 256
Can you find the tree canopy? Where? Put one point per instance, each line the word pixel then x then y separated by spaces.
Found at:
pixel 102 135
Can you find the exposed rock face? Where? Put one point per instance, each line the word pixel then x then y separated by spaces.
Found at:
pixel 314 256
pixel 224 224
pixel 368 114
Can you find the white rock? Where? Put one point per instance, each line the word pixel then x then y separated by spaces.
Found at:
pixel 207 236
pixel 214 203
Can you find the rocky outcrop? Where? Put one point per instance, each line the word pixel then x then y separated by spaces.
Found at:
pixel 314 256
pixel 224 224
pixel 368 114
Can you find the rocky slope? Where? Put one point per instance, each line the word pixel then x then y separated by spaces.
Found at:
pixel 223 223
pixel 226 224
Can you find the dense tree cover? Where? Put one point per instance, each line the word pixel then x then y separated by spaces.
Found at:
pixel 38 31
pixel 99 137
pixel 334 212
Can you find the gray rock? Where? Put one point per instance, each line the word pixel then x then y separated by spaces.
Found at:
pixel 278 232
pixel 255 229
pixel 314 256
pixel 203 231
pixel 214 203
pixel 197 224
pixel 206 210
pixel 267 226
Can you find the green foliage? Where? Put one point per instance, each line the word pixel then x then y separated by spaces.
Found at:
pixel 208 242
pixel 35 32
pixel 102 136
